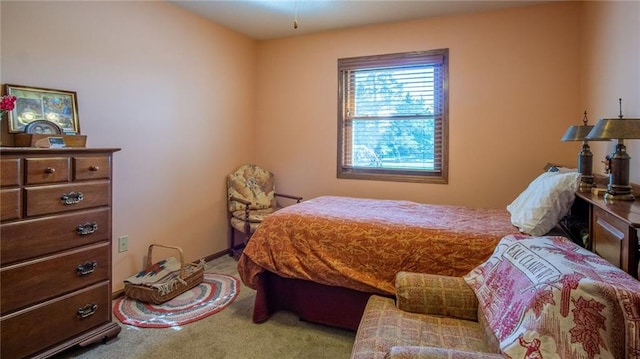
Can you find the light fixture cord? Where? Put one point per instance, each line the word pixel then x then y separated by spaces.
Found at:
pixel 295 15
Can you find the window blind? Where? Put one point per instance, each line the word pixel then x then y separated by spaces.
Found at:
pixel 393 113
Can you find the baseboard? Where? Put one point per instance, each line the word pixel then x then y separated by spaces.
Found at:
pixel 117 294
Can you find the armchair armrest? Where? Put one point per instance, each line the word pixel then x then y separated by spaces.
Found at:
pixel 406 352
pixel 435 294
pixel 247 205
pixel 297 198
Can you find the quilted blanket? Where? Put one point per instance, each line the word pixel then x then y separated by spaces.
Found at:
pixel 362 243
pixel 545 297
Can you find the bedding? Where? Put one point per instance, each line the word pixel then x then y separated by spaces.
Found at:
pixel 360 244
pixel 544 202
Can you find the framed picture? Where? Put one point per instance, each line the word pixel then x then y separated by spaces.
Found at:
pixel 41 104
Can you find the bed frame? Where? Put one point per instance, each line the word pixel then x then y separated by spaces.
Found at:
pixel 313 302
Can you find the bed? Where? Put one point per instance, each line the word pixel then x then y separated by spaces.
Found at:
pixel 321 257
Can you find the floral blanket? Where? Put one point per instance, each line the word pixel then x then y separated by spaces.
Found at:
pixel 362 243
pixel 545 297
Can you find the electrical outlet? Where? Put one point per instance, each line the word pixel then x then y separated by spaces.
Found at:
pixel 123 243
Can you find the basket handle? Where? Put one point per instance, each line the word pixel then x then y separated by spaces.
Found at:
pixel 150 262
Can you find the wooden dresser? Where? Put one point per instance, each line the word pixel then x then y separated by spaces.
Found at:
pixel 614 230
pixel 55 249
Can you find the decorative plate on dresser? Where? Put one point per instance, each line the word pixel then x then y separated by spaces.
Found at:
pixel 55 250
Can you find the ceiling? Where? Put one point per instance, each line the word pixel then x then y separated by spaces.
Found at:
pixel 271 19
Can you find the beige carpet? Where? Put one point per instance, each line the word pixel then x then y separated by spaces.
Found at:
pixel 227 334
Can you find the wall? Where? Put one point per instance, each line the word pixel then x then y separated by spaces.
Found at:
pixel 514 90
pixel 611 70
pixel 175 92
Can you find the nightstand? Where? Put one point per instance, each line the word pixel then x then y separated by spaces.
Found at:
pixel 614 230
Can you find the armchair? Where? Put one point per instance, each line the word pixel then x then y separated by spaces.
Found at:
pixel 433 316
pixel 251 194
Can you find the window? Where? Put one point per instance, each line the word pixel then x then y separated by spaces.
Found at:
pixel 392 122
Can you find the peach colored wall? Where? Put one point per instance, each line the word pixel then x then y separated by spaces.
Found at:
pixel 514 90
pixel 611 70
pixel 174 91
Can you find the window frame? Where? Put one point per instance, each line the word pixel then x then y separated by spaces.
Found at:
pixel 398 60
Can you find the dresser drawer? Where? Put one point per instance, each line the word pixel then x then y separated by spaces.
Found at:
pixel 60 198
pixel 86 168
pixel 35 329
pixel 37 237
pixel 47 170
pixel 10 204
pixel 36 281
pixel 610 238
pixel 10 172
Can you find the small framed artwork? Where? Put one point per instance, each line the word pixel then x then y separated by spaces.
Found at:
pixel 33 104
pixel 50 142
pixel 56 142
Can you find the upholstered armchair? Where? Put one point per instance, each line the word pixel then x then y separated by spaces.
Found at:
pixel 433 316
pixel 252 195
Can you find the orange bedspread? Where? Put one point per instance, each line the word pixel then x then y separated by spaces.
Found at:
pixel 362 243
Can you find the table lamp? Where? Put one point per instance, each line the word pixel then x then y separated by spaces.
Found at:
pixel 585 157
pixel 618 162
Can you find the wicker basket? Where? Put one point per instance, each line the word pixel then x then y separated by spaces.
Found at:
pixel 190 276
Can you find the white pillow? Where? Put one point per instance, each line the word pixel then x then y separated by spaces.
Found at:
pixel 547 199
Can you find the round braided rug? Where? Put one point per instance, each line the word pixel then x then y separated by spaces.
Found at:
pixel 214 294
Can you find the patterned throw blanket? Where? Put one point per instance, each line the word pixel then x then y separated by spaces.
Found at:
pixel 163 276
pixel 545 297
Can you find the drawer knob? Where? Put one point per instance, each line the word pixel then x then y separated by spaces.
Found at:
pixel 87 310
pixel 49 170
pixel 87 228
pixel 94 168
pixel 86 268
pixel 71 198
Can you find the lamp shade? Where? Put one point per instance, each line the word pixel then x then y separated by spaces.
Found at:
pixel 576 133
pixel 615 128
pixel 579 133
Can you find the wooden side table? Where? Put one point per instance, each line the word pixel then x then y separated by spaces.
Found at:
pixel 614 230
